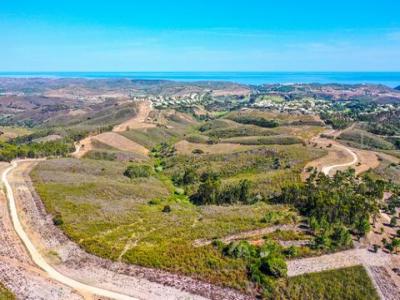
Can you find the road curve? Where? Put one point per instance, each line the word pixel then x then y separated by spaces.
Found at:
pixel 327 169
pixel 38 258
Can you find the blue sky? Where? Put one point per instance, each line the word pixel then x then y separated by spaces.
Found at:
pixel 201 35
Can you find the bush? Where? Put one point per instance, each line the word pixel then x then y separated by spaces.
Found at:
pixel 57 220
pixel 197 151
pixel 254 120
pixel 138 171
pixel 274 266
pixel 241 249
pixel 166 209
pixel 210 191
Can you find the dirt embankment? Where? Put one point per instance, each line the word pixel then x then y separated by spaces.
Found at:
pixel 17 271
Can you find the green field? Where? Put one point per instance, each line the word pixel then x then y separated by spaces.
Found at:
pixel 104 212
pixel 342 284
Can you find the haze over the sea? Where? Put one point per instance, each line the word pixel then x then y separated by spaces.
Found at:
pixel 391 79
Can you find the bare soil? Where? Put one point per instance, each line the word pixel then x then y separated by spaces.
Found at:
pixel 138 121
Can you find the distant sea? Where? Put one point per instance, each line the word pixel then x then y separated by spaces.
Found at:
pixel 391 79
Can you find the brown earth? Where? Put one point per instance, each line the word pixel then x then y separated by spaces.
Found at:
pixel 138 121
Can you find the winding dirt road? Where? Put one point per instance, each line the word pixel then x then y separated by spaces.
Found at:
pixel 38 258
pixel 327 169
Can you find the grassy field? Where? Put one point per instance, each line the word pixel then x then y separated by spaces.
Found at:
pixel 5 294
pixel 12 132
pixel 282 118
pixel 225 128
pixel 171 127
pixel 269 168
pixel 264 140
pixel 387 170
pixel 343 284
pixel 119 218
pixel 365 140
pixel 151 137
pixel 151 221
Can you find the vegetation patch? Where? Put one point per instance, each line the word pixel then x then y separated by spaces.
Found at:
pixel 366 140
pixel 138 171
pixel 103 211
pixel 254 120
pixel 5 293
pixel 344 284
pixel 265 140
pixel 336 206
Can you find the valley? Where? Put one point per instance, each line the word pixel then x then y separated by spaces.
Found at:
pixel 144 190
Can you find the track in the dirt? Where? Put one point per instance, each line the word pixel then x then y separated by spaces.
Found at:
pixel 327 169
pixel 38 258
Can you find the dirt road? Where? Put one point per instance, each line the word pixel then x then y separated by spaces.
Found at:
pixel 327 169
pixel 138 121
pixel 66 261
pixel 341 157
pixel 38 258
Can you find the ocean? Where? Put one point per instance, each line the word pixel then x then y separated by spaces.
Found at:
pixel 391 79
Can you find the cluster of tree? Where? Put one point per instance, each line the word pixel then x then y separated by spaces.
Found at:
pixel 332 236
pixel 265 263
pixel 337 120
pixel 210 190
pixel 385 128
pixel 163 150
pixel 255 120
pixel 189 176
pixel 138 171
pixel 10 151
pixel 392 204
pixel 336 205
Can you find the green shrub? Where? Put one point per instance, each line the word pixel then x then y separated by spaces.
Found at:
pixel 57 220
pixel 254 120
pixel 166 209
pixel 138 171
pixel 274 266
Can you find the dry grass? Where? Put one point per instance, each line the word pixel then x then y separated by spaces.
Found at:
pixel 184 147
pixel 139 120
pixel 111 216
pixel 12 132
pixel 121 143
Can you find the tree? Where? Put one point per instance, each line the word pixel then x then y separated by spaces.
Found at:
pixel 396 244
pixel 208 190
pixel 393 221
pixel 363 227
pixel 166 209
pixel 189 176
